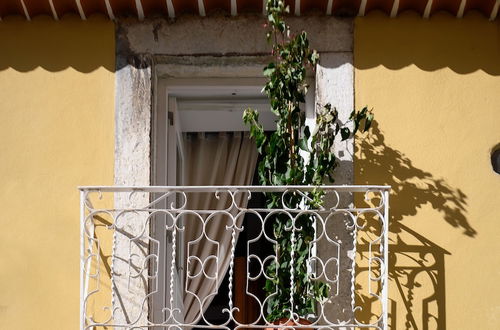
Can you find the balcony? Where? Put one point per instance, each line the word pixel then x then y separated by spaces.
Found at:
pixel 208 257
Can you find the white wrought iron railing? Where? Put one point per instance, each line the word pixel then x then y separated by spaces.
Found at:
pixel 198 257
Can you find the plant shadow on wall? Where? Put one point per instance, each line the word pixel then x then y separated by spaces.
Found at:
pixel 416 264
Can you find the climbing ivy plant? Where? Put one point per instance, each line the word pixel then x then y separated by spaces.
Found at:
pixel 295 154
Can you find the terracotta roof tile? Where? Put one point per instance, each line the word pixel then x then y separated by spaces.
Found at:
pixel 149 8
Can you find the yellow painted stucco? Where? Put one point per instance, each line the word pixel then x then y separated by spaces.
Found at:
pixel 56 132
pixel 435 89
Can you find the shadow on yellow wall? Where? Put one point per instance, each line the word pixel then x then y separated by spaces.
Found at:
pixel 430 44
pixel 415 262
pixel 56 45
pixel 412 187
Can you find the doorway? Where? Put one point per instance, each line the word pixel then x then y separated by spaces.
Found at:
pixel 194 120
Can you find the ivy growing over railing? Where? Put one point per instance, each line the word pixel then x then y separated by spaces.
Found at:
pixel 295 154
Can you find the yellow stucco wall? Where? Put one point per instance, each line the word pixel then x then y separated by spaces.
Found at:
pixel 435 89
pixel 56 132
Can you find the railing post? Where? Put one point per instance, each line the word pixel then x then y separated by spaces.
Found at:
pixel 82 259
pixel 385 287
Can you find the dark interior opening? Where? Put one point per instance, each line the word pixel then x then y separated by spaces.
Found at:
pixel 249 309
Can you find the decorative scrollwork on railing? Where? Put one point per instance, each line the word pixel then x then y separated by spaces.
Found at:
pixel 184 257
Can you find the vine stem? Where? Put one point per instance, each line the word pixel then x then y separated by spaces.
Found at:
pixel 292 136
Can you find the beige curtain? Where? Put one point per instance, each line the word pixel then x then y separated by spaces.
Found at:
pixel 212 159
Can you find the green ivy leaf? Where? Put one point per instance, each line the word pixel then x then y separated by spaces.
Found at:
pixel 303 144
pixel 307 133
pixel 345 133
pixel 269 69
pixel 368 122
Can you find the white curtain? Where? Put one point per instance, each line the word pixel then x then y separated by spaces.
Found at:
pixel 213 159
